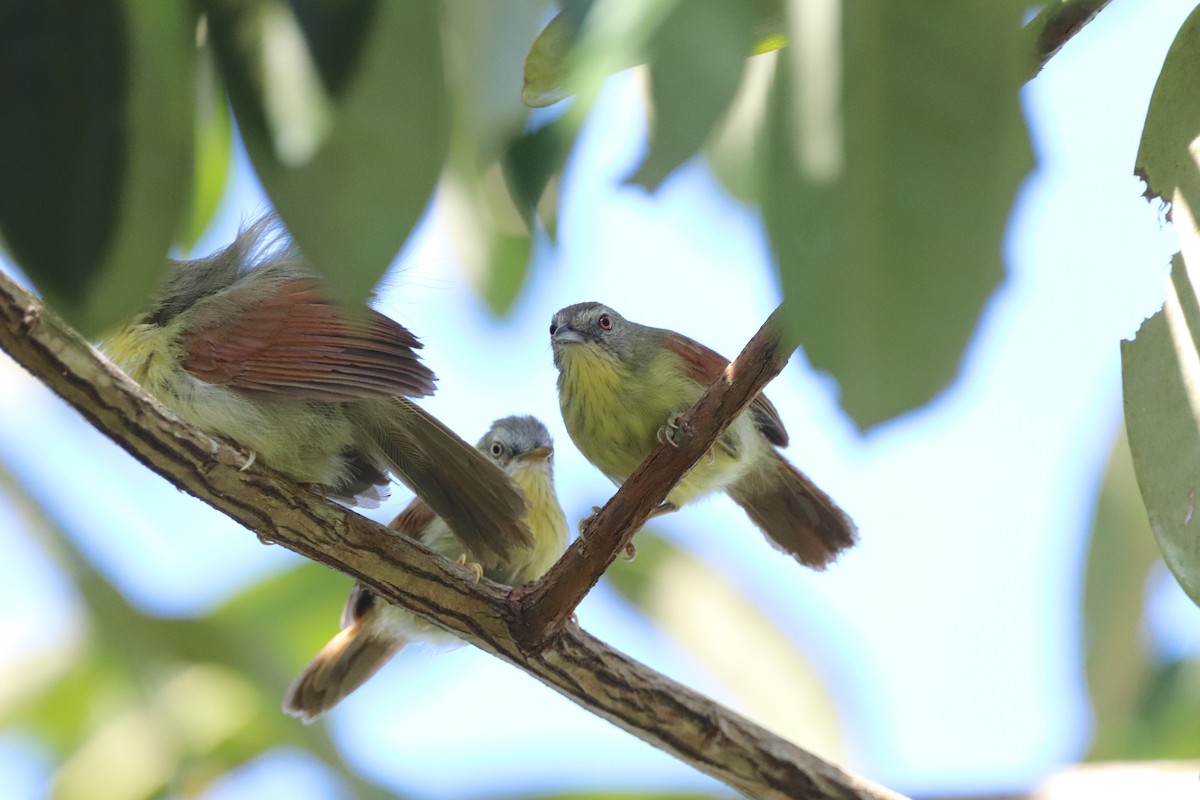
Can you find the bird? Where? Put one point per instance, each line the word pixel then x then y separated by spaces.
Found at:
pixel 248 344
pixel 374 630
pixel 622 387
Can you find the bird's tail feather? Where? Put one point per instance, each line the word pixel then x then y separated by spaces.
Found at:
pixel 796 516
pixel 343 665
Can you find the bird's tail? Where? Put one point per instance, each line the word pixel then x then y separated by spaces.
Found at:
pixel 343 665
pixel 475 498
pixel 796 516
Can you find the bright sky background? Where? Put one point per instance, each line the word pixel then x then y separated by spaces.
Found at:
pixel 950 636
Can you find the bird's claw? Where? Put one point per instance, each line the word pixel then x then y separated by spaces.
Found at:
pixel 583 523
pixel 251 457
pixel 668 433
pixel 663 508
pixel 628 552
pixel 475 567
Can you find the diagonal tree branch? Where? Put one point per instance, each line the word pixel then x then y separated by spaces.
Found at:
pixel 651 706
pixel 1054 26
pixel 544 605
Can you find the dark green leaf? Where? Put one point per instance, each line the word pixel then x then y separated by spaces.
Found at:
pixel 350 173
pixel 95 147
pixel 1161 366
pixel 532 165
pixel 890 167
pixel 696 61
pixel 61 144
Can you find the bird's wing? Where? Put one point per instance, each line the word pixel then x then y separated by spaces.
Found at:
pixel 415 517
pixel 296 344
pixel 705 365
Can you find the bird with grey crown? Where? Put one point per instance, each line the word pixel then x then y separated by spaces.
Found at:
pixel 374 630
pixel 621 388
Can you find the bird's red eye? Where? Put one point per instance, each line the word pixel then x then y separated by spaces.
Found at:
pixel 605 322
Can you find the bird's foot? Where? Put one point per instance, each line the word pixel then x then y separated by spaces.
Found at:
pixel 662 508
pixel 669 433
pixel 251 457
pixel 475 567
pixel 583 523
pixel 628 552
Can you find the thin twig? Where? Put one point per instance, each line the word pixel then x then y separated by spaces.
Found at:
pixel 1054 26
pixel 664 713
pixel 546 604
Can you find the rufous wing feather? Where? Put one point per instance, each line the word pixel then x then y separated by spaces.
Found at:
pixel 295 344
pixel 705 366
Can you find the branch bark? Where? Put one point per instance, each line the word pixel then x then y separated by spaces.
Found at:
pixel 643 702
pixel 1054 26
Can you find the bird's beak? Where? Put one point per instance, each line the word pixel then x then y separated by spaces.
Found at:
pixel 538 454
pixel 564 335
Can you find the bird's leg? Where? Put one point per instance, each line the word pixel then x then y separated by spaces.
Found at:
pixel 668 434
pixel 475 567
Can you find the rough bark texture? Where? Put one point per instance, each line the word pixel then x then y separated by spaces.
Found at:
pixel 651 706
pixel 1056 24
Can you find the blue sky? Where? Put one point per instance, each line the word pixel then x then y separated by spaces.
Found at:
pixel 949 637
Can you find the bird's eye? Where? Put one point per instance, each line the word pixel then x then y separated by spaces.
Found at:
pixel 605 322
pixel 553 327
pixel 497 449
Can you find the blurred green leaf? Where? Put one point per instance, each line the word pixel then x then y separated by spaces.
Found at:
pixel 1121 554
pixel 506 274
pixel 736 640
pixel 198 696
pixel 349 168
pixel 696 60
pixel 895 146
pixel 96 147
pixel 532 167
pixel 61 144
pixel 1161 366
pixel 546 61
pixel 1161 370
pixel 214 151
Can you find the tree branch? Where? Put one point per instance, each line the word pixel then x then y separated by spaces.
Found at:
pixel 651 706
pixel 547 603
pixel 1054 26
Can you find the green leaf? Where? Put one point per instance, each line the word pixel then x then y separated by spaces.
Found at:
pixel 349 157
pixel 1161 366
pixel 506 273
pixel 61 144
pixel 532 165
pixel 214 151
pixel 96 148
pixel 893 154
pixel 545 64
pixel 1120 557
pixel 696 61
pixel 1161 370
